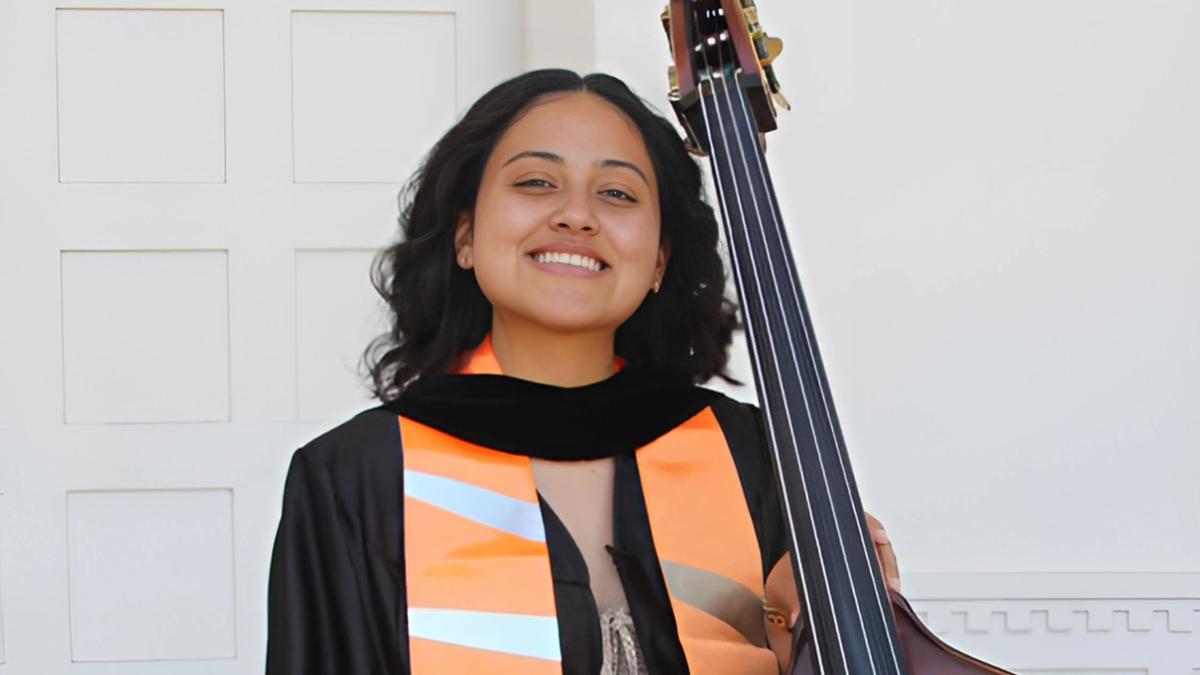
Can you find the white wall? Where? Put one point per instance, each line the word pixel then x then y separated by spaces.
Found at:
pixel 994 210
pixel 560 34
pixel 189 197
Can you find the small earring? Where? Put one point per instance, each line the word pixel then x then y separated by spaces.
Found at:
pixel 656 287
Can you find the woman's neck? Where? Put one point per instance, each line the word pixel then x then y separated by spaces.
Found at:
pixel 530 352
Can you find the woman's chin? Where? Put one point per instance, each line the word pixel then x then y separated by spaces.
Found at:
pixel 574 324
pixel 571 318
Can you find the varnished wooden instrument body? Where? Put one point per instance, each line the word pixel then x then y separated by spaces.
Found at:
pixel 924 653
pixel 725 93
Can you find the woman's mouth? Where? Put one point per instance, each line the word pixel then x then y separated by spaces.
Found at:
pixel 569 264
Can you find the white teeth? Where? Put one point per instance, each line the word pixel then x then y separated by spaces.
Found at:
pixel 569 259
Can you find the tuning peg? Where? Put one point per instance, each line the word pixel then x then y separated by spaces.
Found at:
pixel 780 100
pixel 774 48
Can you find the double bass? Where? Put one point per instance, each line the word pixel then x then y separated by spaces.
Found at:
pixel 725 93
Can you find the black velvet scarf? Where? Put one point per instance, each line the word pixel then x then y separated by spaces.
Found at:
pixel 604 419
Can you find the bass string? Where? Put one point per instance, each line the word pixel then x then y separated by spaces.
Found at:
pixel 821 385
pixel 821 658
pixel 757 256
pixel 791 343
pixel 790 274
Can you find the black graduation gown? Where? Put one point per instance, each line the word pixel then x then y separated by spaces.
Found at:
pixel 336 594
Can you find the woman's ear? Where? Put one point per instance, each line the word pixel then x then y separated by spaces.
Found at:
pixel 463 239
pixel 660 267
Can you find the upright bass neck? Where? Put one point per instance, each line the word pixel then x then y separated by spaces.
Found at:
pixel 722 94
pixel 725 92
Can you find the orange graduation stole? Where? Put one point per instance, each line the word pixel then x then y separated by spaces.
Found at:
pixel 480 595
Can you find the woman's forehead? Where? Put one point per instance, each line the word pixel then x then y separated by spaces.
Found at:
pixel 576 126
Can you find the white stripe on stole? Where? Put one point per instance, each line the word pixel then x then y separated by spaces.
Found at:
pixel 519 634
pixel 524 519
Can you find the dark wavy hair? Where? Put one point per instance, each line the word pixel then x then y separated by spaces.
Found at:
pixel 438 310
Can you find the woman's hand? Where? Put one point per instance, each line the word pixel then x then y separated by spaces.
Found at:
pixel 885 553
pixel 783 602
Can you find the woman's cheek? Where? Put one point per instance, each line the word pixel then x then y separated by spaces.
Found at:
pixel 639 248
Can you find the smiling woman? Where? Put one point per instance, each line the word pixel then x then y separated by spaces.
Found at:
pixel 546 488
pixel 575 199
pixel 588 153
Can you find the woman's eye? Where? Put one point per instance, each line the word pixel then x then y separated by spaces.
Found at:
pixel 534 182
pixel 619 194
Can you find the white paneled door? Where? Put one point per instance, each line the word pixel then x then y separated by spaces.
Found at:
pixel 190 196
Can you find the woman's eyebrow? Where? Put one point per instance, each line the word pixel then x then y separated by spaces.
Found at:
pixel 539 154
pixel 602 164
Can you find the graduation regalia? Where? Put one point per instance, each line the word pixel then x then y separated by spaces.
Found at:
pixel 340 588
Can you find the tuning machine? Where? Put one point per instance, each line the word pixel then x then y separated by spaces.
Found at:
pixel 767 49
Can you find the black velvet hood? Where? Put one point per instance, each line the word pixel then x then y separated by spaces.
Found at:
pixel 604 419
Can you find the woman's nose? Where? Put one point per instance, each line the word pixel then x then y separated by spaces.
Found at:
pixel 575 213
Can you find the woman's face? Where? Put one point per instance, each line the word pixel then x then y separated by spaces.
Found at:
pixel 569 188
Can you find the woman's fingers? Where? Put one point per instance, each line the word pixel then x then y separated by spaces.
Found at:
pixel 885 552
